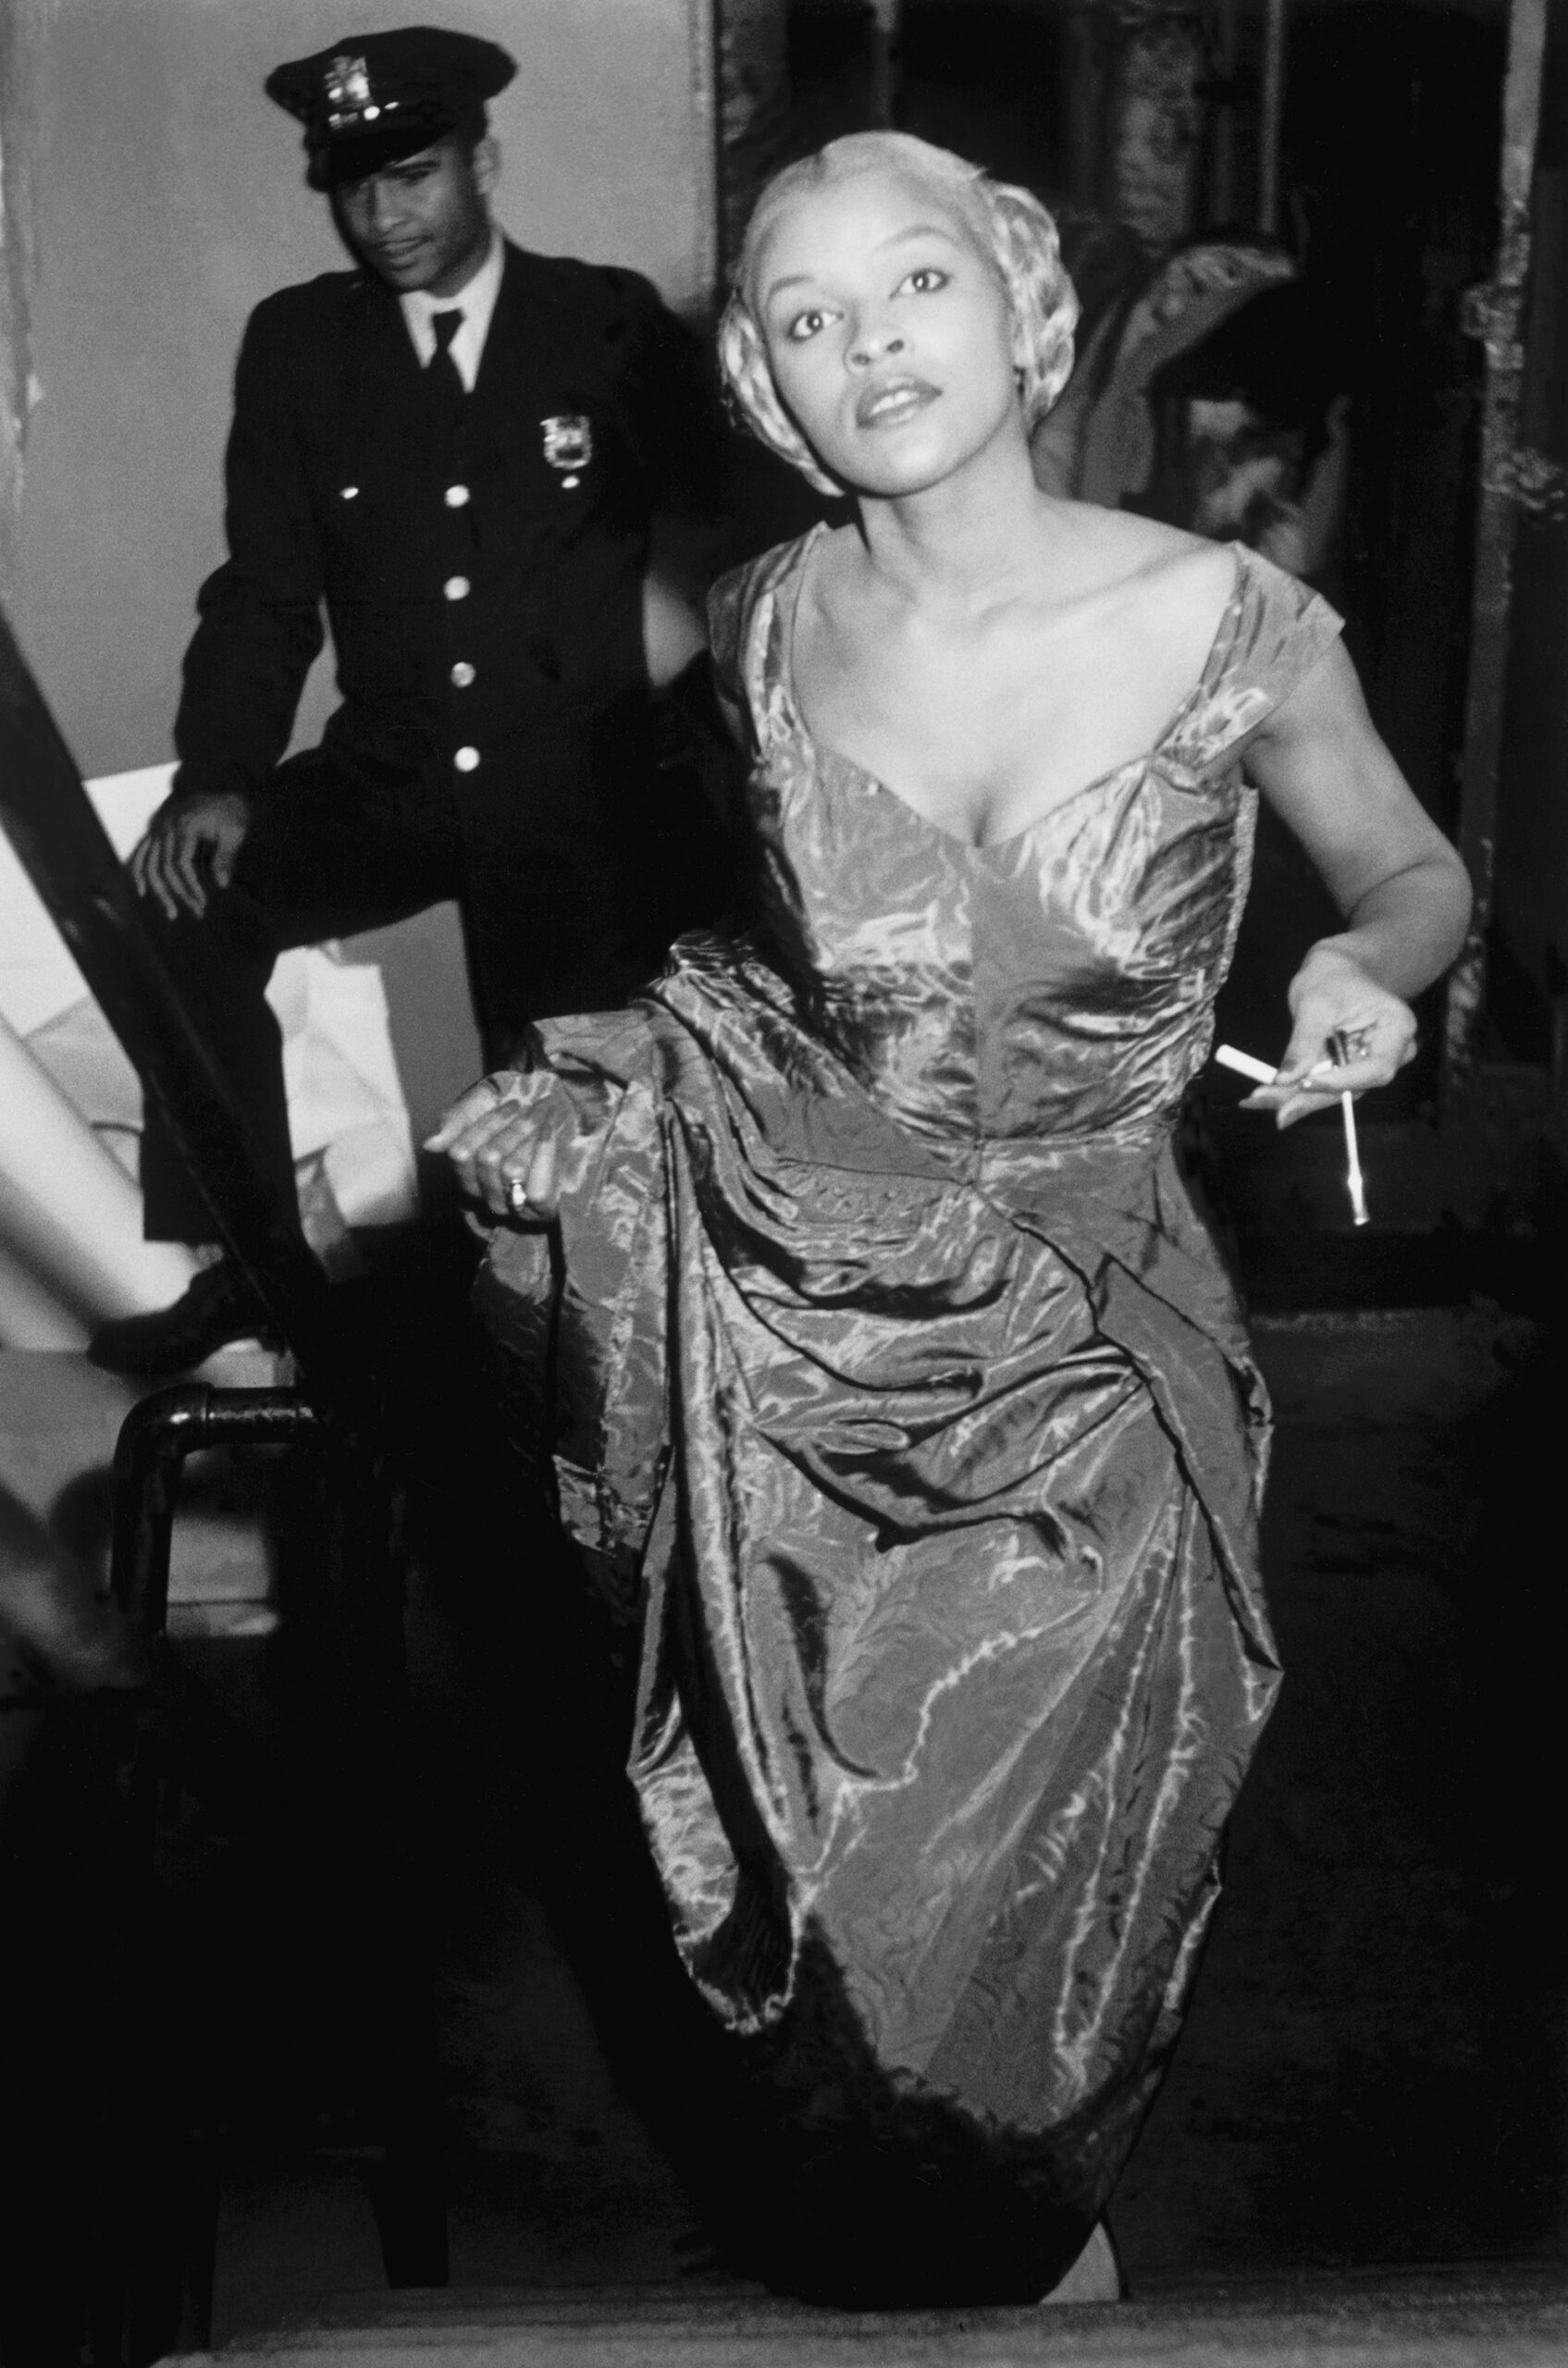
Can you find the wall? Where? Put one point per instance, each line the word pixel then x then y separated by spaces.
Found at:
pixel 169 198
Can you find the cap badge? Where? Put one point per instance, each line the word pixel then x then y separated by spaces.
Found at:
pixel 348 92
pixel 568 444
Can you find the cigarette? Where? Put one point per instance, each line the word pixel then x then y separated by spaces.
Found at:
pixel 1261 1074
pixel 1244 1065
pixel 1353 1161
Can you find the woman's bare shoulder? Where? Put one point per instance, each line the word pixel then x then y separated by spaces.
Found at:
pixel 1160 593
pixel 1126 545
pixel 1116 551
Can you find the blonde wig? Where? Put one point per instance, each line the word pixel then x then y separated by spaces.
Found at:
pixel 1012 229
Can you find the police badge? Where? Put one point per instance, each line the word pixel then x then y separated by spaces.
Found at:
pixel 568 444
pixel 348 92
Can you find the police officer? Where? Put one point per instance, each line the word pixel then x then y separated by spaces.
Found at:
pixel 457 450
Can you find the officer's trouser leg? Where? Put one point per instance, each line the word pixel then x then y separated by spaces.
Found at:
pixel 324 855
pixel 220 963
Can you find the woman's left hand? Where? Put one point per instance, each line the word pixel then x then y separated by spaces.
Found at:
pixel 499 1141
pixel 1349 1035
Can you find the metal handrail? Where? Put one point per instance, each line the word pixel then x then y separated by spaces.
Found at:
pixel 49 819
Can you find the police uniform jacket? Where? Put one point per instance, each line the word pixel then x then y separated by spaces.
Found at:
pixel 484 592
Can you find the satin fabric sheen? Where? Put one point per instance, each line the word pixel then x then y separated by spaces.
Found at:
pixel 890 1385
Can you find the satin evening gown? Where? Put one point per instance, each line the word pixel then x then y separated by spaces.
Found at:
pixel 889 1385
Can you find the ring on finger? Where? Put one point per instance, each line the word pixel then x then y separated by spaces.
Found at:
pixel 517 1193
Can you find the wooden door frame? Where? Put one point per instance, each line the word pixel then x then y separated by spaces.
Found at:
pixel 1493 313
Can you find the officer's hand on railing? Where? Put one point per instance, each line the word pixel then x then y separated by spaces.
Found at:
pixel 191 849
pixel 496 1141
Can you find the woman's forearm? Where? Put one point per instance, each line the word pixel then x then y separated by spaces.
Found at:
pixel 1406 931
pixel 1351 1024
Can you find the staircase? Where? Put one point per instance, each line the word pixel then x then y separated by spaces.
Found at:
pixel 1474 2317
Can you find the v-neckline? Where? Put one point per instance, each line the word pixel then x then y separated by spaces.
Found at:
pixel 1223 635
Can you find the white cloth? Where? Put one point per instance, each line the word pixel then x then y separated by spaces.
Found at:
pixel 476 303
pixel 69 1216
pixel 346 1102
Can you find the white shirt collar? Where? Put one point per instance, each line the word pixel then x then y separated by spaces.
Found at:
pixel 476 302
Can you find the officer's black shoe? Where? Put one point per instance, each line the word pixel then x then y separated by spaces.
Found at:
pixel 219 1306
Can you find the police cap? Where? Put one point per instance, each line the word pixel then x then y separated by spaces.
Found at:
pixel 372 99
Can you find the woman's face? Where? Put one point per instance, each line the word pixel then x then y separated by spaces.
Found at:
pixel 887 329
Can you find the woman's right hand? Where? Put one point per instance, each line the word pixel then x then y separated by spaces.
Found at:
pixel 498 1139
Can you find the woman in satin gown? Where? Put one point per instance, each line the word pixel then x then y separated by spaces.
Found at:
pixel 883 1375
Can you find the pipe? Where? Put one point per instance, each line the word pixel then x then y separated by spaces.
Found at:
pixel 1222 194
pixel 156 1438
pixel 882 97
pixel 1271 111
pixel 63 847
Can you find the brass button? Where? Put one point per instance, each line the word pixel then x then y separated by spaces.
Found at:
pixel 462 674
pixel 457 495
pixel 350 493
pixel 456 587
pixel 466 759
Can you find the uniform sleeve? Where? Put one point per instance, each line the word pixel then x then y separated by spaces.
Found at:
pixel 260 615
pixel 671 403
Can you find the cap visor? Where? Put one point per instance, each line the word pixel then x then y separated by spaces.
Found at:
pixel 354 155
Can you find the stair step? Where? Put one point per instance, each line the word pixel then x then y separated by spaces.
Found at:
pixel 1511 2317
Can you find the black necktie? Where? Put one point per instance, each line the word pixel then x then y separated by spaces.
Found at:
pixel 443 380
